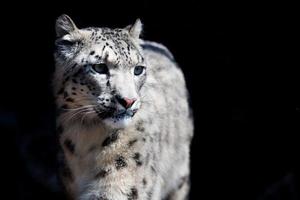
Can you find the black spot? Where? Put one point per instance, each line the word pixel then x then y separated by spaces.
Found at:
pixel 65 106
pixel 69 145
pixel 153 169
pixel 74 81
pixel 70 100
pixel 73 88
pixel 144 181
pixel 120 162
pixel 81 90
pixel 132 142
pixel 110 139
pixel 73 93
pixel 73 66
pixel 139 126
pixel 66 79
pixel 66 94
pixel 92 53
pixel 137 159
pixel 133 195
pixel 102 173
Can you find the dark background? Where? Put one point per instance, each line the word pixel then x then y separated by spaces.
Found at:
pixel 245 140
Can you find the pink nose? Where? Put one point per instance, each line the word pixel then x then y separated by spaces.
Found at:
pixel 126 102
pixel 129 102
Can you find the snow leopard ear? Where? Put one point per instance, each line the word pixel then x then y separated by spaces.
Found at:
pixel 135 30
pixel 64 25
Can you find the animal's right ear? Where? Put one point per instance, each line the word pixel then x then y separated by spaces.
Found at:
pixel 64 25
pixel 135 29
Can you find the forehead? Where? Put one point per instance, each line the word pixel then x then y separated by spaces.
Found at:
pixel 109 45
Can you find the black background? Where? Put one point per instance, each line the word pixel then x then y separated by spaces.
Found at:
pixel 244 145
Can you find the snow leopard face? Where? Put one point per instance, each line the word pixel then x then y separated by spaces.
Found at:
pixel 99 72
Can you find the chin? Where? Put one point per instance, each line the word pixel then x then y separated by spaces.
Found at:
pixel 118 122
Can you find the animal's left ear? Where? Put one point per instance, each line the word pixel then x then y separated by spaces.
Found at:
pixel 135 30
pixel 64 25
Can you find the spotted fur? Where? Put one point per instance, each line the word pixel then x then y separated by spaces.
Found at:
pixel 122 115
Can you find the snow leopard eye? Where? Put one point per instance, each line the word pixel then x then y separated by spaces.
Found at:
pixel 100 68
pixel 65 43
pixel 138 70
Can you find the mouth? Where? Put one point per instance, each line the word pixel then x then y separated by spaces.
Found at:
pixel 124 114
pixel 116 115
pixel 120 119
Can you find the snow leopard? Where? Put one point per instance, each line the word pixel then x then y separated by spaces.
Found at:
pixel 123 117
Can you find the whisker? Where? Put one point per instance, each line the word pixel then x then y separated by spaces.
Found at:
pixel 75 114
pixel 81 107
pixel 86 114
